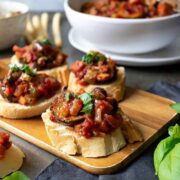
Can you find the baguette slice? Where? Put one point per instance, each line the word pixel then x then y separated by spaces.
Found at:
pixel 116 88
pixel 66 140
pixel 61 73
pixel 12 161
pixel 130 131
pixel 18 111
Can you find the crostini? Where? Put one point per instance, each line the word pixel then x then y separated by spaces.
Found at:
pixel 96 70
pixel 11 157
pixel 88 124
pixel 24 93
pixel 44 57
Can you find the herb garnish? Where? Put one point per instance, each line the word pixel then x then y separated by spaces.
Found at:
pixel 17 176
pixel 24 68
pixel 87 102
pixel 166 155
pixel 176 107
pixel 92 56
pixel 44 42
pixel 67 96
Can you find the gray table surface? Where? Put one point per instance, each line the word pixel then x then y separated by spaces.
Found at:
pixel 137 77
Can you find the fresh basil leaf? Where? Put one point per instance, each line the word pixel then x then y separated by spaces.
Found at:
pixel 87 102
pixel 67 96
pixel 24 68
pixel 88 58
pixel 93 56
pixel 86 98
pixel 100 57
pixel 170 166
pixel 174 131
pixel 87 108
pixel 163 148
pixel 176 107
pixel 18 175
pixel 14 67
pixel 44 42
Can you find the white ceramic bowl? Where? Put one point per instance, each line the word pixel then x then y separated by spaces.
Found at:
pixel 12 28
pixel 129 36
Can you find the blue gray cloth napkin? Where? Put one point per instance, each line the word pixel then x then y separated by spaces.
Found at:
pixel 140 169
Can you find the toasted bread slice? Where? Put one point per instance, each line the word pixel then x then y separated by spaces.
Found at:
pixel 130 132
pixel 61 73
pixel 66 140
pixel 18 111
pixel 116 88
pixel 12 161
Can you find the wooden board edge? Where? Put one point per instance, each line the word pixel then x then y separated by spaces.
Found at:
pixel 156 96
pixel 140 150
pixel 83 165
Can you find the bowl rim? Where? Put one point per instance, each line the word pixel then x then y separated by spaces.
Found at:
pixel 25 11
pixel 118 20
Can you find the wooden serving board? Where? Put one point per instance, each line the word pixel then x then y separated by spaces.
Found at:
pixel 150 113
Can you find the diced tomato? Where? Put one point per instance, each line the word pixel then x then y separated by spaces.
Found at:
pixel 112 121
pixel 103 105
pixel 75 107
pixel 64 110
pixel 48 82
pixel 112 5
pixel 4 143
pixel 3 137
pixel 128 10
pixel 104 68
pixel 81 74
pixel 87 126
pixel 21 89
pixel 77 66
pixel 9 91
pixel 104 126
pixel 82 82
pixel 136 1
pixel 53 119
pixel 164 9
pixel 42 90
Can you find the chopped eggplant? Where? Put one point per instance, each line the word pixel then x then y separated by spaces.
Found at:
pixel 70 121
pixel 99 93
pixel 90 76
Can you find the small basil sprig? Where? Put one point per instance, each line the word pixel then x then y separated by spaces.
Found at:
pixel 87 102
pixel 67 96
pixel 92 56
pixel 176 107
pixel 167 157
pixel 44 42
pixel 18 175
pixel 24 68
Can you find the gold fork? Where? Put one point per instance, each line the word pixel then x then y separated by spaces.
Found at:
pixel 37 28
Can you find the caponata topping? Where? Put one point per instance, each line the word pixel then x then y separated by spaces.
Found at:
pixel 22 85
pixel 94 68
pixel 5 144
pixel 129 9
pixel 90 114
pixel 41 54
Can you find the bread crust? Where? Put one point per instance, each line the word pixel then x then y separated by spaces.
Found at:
pixel 61 73
pixel 18 111
pixel 131 133
pixel 116 88
pixel 12 161
pixel 66 140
